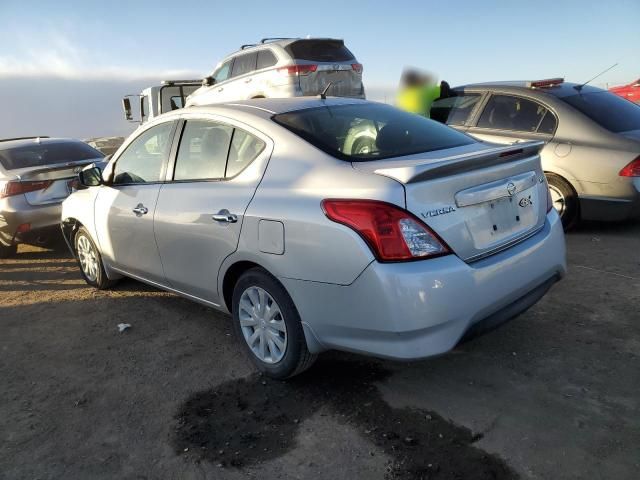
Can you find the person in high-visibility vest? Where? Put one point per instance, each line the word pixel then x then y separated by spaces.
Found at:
pixel 418 91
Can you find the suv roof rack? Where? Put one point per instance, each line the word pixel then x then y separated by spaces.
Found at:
pixel 180 82
pixel 275 39
pixel 242 47
pixel 23 138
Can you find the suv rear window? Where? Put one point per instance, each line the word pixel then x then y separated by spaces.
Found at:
pixel 608 110
pixel 46 153
pixel 320 51
pixel 363 132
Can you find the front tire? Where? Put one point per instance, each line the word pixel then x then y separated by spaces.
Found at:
pixel 565 200
pixel 8 251
pixel 268 326
pixel 90 261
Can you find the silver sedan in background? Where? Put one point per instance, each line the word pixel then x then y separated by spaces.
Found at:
pixel 592 139
pixel 257 208
pixel 36 174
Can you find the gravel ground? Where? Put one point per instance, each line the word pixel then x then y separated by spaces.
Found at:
pixel 553 394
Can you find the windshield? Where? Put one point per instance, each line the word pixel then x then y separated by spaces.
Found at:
pixel 370 131
pixel 47 153
pixel 608 110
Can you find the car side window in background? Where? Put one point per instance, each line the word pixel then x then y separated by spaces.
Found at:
pixel 266 58
pixel 203 150
pixel 223 72
pixel 144 158
pixel 244 149
pixel 548 123
pixel 504 112
pixel 454 110
pixel 244 64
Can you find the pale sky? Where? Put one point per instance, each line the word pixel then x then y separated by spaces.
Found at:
pixel 64 65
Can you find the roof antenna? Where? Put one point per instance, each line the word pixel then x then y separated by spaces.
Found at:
pixel 579 87
pixel 323 94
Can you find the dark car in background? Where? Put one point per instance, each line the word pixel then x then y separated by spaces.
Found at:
pixel 591 155
pixel 36 175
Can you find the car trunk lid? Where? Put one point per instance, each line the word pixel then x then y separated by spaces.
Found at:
pixel 479 199
pixel 344 80
pixel 55 181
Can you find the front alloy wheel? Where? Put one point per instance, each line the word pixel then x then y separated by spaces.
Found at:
pixel 90 261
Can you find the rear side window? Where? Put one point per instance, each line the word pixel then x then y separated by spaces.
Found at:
pixel 46 153
pixel 320 51
pixel 244 149
pixel 504 112
pixel 203 151
pixel 244 64
pixel 369 131
pixel 608 110
pixel 548 123
pixel 454 110
pixel 266 59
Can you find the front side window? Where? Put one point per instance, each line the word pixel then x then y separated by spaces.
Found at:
pixel 224 72
pixel 454 110
pixel 370 131
pixel 203 151
pixel 144 158
pixel 244 64
pixel 504 112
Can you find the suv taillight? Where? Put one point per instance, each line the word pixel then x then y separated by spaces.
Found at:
pixel 296 70
pixel 356 67
pixel 393 234
pixel 16 187
pixel 631 170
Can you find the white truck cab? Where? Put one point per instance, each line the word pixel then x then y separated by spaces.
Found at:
pixel 155 100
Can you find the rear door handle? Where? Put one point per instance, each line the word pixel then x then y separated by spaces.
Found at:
pixel 248 80
pixel 225 217
pixel 140 210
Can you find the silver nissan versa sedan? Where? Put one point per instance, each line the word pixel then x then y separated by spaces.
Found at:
pixel 256 208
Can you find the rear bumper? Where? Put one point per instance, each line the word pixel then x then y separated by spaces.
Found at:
pixel 413 310
pixel 15 211
pixel 612 208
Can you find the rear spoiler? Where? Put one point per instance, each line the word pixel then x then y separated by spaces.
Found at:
pixel 43 172
pixel 419 171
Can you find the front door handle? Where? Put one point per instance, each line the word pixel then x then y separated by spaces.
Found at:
pixel 221 89
pixel 140 210
pixel 225 216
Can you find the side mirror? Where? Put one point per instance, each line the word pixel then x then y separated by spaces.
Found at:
pixel 91 177
pixel 208 81
pixel 126 106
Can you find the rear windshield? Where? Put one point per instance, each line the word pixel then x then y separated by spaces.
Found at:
pixel 608 110
pixel 320 51
pixel 370 131
pixel 47 153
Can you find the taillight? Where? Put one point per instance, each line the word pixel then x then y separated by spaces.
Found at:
pixel 549 199
pixel 356 67
pixel 393 234
pixel 296 70
pixel 631 170
pixel 16 187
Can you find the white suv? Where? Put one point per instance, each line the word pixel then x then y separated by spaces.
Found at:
pixel 283 67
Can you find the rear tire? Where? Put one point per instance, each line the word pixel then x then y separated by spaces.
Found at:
pixel 268 326
pixel 565 200
pixel 90 261
pixel 8 251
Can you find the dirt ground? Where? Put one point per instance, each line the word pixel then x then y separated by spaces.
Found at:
pixel 554 394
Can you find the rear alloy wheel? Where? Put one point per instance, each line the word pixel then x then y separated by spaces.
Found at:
pixel 564 200
pixel 363 146
pixel 90 261
pixel 8 251
pixel 268 325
